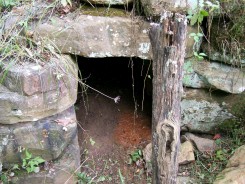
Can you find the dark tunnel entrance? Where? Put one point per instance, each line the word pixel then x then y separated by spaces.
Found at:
pixel 125 77
pixel 110 130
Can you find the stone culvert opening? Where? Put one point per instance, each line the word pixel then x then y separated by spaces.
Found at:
pixel 115 129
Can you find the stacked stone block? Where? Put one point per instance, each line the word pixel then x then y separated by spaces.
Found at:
pixel 37 114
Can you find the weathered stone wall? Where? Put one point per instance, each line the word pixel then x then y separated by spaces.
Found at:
pixel 31 91
pixel 37 114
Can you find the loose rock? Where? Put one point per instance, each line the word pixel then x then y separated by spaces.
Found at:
pixel 186 154
pixel 202 144
pixel 205 74
pixel 202 111
pixel 238 158
pixel 155 7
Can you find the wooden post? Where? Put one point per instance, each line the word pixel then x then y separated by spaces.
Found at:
pixel 168 44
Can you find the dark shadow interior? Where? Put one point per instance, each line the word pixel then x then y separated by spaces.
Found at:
pixel 129 78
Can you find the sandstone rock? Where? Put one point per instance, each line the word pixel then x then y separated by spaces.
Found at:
pixel 186 154
pixel 222 76
pixel 184 180
pixel 155 7
pixel 62 170
pixel 110 2
pixel 215 75
pixel 191 78
pixel 95 36
pixel 45 138
pixel 235 169
pixel 227 58
pixel 201 116
pixel 238 158
pixel 31 91
pixel 234 175
pixel 147 155
pixel 118 36
pixel 202 144
pixel 202 111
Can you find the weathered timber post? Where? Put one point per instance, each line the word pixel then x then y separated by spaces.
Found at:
pixel 168 44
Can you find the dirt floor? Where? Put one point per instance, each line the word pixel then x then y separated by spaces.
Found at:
pixel 110 132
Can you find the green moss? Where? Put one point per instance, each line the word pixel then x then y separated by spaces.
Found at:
pixel 103 11
pixel 229 125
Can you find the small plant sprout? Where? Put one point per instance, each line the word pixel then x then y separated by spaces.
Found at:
pixel 135 156
pixel 83 178
pixel 31 164
pixel 196 36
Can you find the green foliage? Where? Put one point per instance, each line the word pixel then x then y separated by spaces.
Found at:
pixel 31 164
pixel 202 10
pixel 135 156
pixel 83 178
pixel 236 24
pixel 101 179
pixel 235 130
pixel 238 109
pixel 229 125
pixel 8 3
pixel 208 165
pixel 122 179
pixel 4 176
pixel 227 34
pixel 200 56
pixel 196 36
pixel 220 155
pixel 196 17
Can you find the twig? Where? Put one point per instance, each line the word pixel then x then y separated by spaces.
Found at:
pixel 116 99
